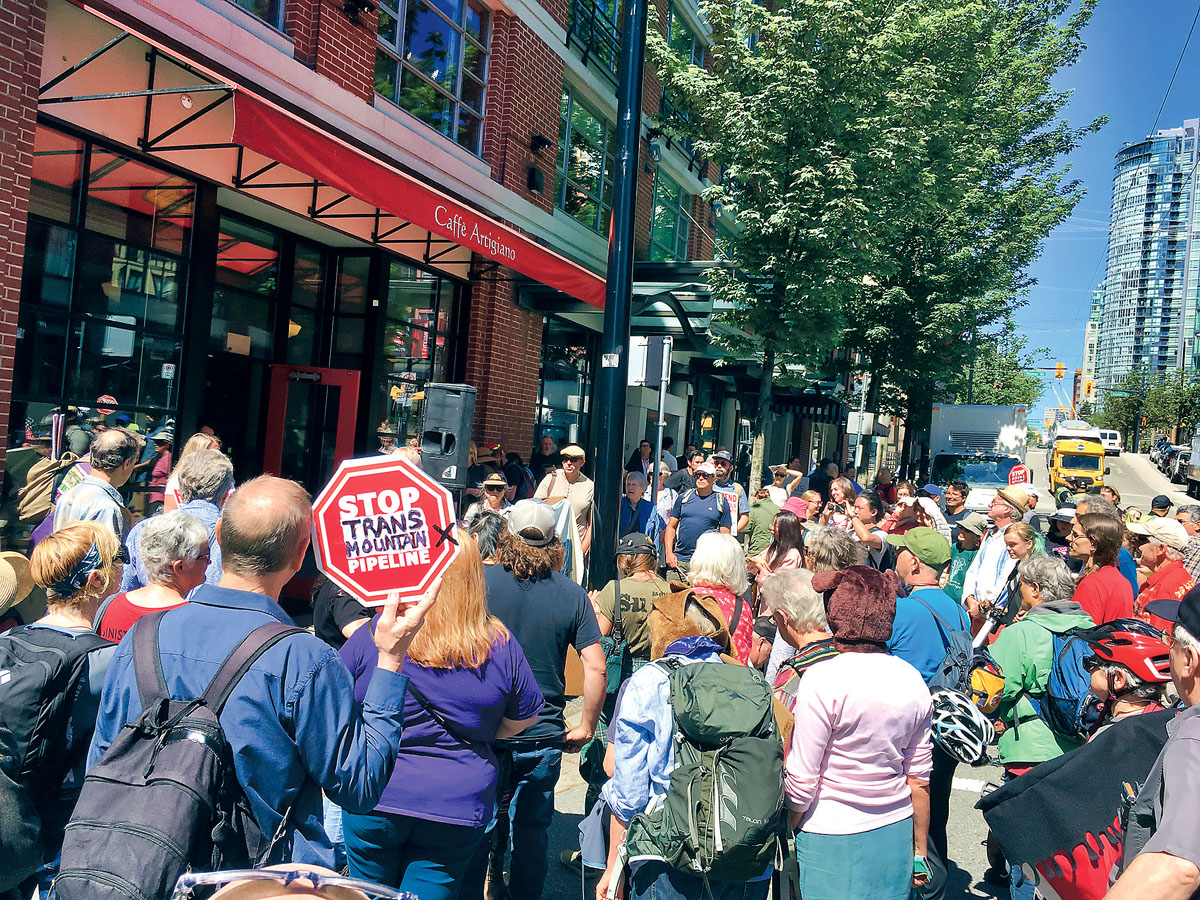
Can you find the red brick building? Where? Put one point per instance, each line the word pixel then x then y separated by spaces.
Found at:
pixel 282 218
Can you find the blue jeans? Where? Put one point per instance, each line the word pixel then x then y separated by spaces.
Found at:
pixel 658 881
pixel 425 858
pixel 524 808
pixel 333 831
pixel 1019 887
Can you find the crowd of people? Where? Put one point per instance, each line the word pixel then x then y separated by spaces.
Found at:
pixel 802 668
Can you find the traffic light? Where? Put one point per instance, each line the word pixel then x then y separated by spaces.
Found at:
pixel 1087 388
pixel 1060 370
pixel 1143 421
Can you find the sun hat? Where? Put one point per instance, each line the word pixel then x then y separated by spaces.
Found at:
pixel 975 523
pixel 1015 496
pixel 16 579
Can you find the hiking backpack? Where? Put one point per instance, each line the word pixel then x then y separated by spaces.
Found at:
pixel 40 671
pixel 962 657
pixel 35 498
pixel 1068 706
pixel 165 797
pixel 722 817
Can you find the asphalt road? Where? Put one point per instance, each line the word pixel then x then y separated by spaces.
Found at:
pixel 1138 482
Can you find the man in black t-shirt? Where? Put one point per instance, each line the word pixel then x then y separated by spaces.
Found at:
pixel 685 478
pixel 546 612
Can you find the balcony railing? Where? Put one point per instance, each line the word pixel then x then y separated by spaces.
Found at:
pixel 594 36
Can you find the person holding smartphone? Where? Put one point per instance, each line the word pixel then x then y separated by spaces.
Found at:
pixel 838 511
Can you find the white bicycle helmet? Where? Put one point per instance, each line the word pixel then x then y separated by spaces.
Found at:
pixel 960 728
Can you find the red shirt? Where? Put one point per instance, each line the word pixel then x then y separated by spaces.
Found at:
pixel 120 615
pixel 1170 582
pixel 743 632
pixel 1105 595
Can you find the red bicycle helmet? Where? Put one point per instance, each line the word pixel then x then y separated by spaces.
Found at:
pixel 1146 656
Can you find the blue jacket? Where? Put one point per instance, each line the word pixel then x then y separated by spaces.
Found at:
pixel 292 722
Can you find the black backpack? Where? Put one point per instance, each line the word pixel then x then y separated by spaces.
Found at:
pixel 40 669
pixel 165 797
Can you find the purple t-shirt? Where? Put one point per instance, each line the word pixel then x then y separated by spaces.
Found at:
pixel 433 765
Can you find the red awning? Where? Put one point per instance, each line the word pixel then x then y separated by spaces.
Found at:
pixel 276 134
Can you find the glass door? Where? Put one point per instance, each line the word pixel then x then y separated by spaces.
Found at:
pixel 311 418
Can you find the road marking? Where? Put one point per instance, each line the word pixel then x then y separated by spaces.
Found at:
pixel 974 785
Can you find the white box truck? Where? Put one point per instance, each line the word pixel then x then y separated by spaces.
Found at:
pixel 977 444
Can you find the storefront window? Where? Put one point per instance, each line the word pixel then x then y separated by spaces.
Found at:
pixel 435 63
pixel 247 286
pixel 566 383
pixel 270 11
pixel 304 317
pixel 420 313
pixel 102 303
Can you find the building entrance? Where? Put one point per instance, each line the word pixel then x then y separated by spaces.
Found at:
pixel 311 418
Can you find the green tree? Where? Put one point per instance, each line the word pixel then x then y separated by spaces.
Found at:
pixel 1000 374
pixel 1120 413
pixel 893 167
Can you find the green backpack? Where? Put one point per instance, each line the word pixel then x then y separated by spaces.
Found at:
pixel 722 817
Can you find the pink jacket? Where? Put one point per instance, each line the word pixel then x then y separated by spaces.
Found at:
pixel 862 726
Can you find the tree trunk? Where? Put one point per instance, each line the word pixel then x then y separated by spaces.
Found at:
pixel 761 418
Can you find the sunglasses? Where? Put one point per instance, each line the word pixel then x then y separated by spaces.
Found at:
pixel 573 459
pixel 704 475
pixel 495 489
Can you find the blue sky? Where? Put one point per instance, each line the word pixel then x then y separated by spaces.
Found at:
pixel 1132 48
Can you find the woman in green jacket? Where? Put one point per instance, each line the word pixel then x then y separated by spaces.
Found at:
pixel 1025 653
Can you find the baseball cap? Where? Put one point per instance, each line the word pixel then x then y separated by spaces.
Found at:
pixel 974 523
pixel 932 489
pixel 723 454
pixel 634 544
pixel 493 447
pixel 1161 531
pixel 165 435
pixel 1186 611
pixel 925 544
pixel 764 627
pixel 707 467
pixel 1162 501
pixel 532 522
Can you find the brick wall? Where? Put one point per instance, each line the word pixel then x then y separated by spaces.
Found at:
pixel 344 52
pixel 22 26
pixel 504 351
pixel 300 22
pixel 524 98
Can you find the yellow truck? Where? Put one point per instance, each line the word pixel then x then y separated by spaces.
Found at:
pixel 1076 467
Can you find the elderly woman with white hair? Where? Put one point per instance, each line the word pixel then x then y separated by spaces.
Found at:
pixel 174 551
pixel 718 570
pixel 636 512
pixel 799 613
pixel 205 482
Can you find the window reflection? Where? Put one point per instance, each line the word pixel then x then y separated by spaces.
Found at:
pixel 57 163
pixel 565 383
pixel 138 203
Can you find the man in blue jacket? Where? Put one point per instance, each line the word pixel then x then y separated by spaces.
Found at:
pixel 291 723
pixel 921 636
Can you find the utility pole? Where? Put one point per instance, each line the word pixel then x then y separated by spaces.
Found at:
pixel 613 378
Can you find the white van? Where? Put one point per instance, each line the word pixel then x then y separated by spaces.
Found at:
pixel 1112 442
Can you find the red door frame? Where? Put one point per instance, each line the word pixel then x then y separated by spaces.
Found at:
pixel 283 375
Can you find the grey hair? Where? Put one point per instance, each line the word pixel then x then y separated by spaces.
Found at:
pixel 113 448
pixel 636 478
pixel 1192 511
pixel 1051 574
pixel 166 539
pixel 485 527
pixel 1186 638
pixel 719 560
pixel 829 549
pixel 1163 692
pixel 205 475
pixel 1104 506
pixel 792 593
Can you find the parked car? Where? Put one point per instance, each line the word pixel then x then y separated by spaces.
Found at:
pixel 1156 450
pixel 1167 458
pixel 1180 466
pixel 1112 442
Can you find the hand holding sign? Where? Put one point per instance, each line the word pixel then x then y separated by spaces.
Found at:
pixel 398 626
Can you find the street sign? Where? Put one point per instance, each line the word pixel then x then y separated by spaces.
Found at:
pixel 383 525
pixel 1019 474
pixel 1119 394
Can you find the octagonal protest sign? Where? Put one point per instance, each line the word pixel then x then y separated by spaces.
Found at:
pixel 383 525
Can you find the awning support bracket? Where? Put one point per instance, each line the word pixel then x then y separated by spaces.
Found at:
pixel 91 57
pixel 317 212
pixel 152 143
pixel 125 95
pixel 382 237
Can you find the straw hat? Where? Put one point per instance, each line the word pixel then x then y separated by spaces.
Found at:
pixel 1016 497
pixel 277 890
pixel 16 580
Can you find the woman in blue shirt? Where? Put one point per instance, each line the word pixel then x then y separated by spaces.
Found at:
pixel 636 512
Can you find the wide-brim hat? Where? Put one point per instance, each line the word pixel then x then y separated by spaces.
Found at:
pixel 672 616
pixel 1063 514
pixel 16 579
pixel 1016 497
pixel 294 887
pixel 975 523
